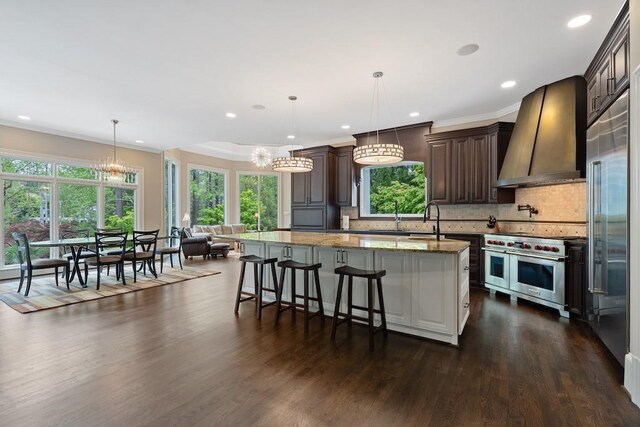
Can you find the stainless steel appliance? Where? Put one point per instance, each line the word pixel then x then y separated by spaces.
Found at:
pixel 527 267
pixel 608 233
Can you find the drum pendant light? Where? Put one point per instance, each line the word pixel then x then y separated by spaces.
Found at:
pixel 292 164
pixel 378 154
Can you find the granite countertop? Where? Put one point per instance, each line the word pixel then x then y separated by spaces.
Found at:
pixel 353 241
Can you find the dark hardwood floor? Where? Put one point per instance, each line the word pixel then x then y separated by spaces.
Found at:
pixel 177 355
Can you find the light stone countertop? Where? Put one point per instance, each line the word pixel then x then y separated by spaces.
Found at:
pixel 352 241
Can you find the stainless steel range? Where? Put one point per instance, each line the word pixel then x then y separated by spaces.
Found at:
pixel 526 267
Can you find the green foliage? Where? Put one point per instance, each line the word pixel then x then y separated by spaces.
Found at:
pixel 206 189
pixel 126 222
pixel 211 216
pixel 266 204
pixel 404 184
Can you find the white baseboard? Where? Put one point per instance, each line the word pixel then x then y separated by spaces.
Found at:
pixel 632 377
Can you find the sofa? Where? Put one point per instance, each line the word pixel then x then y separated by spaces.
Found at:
pixel 211 231
pixel 201 245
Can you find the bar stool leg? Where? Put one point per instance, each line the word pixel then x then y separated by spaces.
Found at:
pixel 279 294
pixel 306 302
pixel 350 303
pixel 293 294
pixel 260 285
pixel 316 277
pixel 336 311
pixel 370 309
pixel 242 269
pixel 383 316
pixel 274 276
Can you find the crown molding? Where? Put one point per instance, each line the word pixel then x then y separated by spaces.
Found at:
pixel 478 117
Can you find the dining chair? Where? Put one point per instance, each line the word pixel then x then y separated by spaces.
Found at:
pixel 68 252
pixel 28 265
pixel 144 250
pixel 110 250
pixel 176 234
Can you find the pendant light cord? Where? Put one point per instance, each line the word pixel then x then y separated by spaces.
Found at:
pixel 115 122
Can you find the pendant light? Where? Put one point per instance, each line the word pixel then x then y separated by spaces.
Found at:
pixel 112 169
pixel 261 157
pixel 292 164
pixel 378 154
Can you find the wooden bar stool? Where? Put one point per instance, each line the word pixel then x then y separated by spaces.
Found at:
pixel 258 279
pixel 307 268
pixel 348 317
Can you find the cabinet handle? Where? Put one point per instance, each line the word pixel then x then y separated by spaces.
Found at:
pixel 338 257
pixel 595 103
pixel 466 268
pixel 611 79
pixel 345 259
pixel 466 305
pixel 289 252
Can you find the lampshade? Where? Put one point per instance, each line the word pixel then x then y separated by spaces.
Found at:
pixel 186 217
pixel 377 153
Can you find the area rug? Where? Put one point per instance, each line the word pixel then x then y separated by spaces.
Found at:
pixel 45 295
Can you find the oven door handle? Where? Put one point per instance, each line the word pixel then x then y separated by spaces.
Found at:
pixel 537 256
pixel 497 251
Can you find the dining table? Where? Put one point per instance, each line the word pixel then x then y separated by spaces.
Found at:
pixel 76 245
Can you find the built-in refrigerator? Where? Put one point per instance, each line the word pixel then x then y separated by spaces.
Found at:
pixel 608 228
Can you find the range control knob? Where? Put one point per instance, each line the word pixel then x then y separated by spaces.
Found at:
pixel 510 244
pixel 490 242
pixel 538 248
pixel 546 248
pixel 501 243
pixel 526 246
pixel 554 249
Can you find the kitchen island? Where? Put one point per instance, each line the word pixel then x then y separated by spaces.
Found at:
pixel 426 289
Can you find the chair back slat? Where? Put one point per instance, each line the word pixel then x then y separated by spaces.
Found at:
pixel 146 241
pixel 109 241
pixel 176 233
pixel 24 254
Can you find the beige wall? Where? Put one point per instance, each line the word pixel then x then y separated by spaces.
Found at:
pixel 52 146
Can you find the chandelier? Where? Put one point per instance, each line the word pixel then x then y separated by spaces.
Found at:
pixel 261 157
pixel 112 169
pixel 292 164
pixel 378 154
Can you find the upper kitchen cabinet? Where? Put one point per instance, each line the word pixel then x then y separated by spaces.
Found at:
pixel 608 74
pixel 464 164
pixel 313 194
pixel 345 176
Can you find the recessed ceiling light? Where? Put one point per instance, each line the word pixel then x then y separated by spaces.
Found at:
pixel 291 137
pixel 345 127
pixel 24 117
pixel 468 49
pixel 258 107
pixel 414 114
pixel 231 115
pixel 508 84
pixel 579 21
pixel 139 141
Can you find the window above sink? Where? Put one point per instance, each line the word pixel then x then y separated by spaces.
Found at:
pixel 383 186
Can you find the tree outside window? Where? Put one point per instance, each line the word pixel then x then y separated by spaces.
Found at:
pixel 207 197
pixel 383 186
pixel 259 201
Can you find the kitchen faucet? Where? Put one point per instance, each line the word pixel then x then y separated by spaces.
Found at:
pixel 397 218
pixel 427 215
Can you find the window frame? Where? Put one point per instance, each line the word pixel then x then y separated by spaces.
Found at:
pixel 54 181
pixel 262 173
pixel 365 185
pixel 225 172
pixel 174 191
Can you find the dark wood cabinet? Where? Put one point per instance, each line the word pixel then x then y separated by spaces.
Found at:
pixel 345 178
pixel 575 279
pixel 463 165
pixel 608 74
pixel 313 195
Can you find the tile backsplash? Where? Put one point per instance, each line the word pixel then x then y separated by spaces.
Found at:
pixel 561 212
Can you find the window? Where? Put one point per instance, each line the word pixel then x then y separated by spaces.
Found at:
pixel 46 199
pixel 259 201
pixel 207 192
pixel 171 201
pixel 383 186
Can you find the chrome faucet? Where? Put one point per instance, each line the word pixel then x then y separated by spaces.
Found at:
pixel 427 215
pixel 397 218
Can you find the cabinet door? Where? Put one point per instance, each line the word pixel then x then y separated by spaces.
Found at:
pixel 316 184
pixel 492 163
pixel 460 171
pixel 603 97
pixel 396 285
pixel 299 196
pixel 575 288
pixel 439 172
pixel 592 93
pixel 620 64
pixel 308 218
pixel 479 163
pixel 330 260
pixel 345 178
pixel 433 293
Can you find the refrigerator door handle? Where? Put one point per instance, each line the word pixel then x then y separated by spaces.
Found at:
pixel 594 191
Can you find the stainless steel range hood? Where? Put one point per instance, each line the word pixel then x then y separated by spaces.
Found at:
pixel 548 143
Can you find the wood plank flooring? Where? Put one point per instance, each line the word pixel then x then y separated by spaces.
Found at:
pixel 177 355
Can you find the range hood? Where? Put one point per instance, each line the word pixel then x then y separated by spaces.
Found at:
pixel 548 143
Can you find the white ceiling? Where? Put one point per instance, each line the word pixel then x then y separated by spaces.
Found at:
pixel 170 70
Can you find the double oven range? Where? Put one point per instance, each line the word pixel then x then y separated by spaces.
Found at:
pixel 527 267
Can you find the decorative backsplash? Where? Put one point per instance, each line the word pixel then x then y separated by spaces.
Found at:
pixel 561 212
